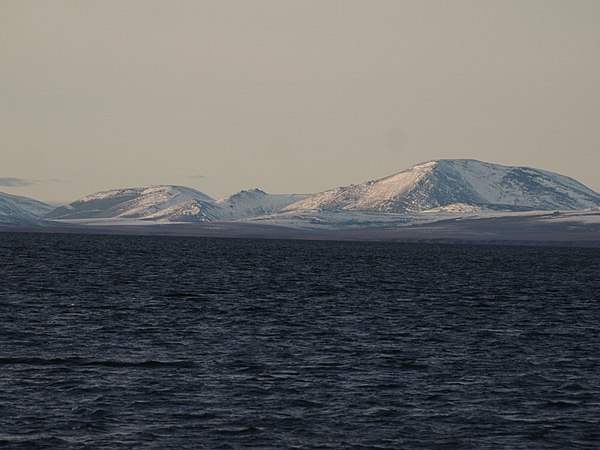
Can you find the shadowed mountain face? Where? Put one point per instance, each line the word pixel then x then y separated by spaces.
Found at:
pixel 21 211
pixel 447 183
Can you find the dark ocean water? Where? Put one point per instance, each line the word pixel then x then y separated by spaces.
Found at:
pixel 159 342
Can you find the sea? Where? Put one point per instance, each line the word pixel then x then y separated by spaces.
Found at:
pixel 179 342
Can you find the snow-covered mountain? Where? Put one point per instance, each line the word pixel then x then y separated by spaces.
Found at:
pixel 21 211
pixel 436 188
pixel 173 204
pixel 139 203
pixel 460 185
pixel 255 203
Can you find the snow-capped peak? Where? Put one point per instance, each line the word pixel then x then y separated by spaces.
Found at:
pixel 445 182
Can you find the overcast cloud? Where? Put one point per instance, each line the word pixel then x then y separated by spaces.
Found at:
pixel 13 182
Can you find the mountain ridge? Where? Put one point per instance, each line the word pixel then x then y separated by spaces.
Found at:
pixel 172 203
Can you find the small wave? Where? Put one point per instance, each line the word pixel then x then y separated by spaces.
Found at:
pixel 38 441
pixel 185 295
pixel 81 362
pixel 239 430
pixel 562 404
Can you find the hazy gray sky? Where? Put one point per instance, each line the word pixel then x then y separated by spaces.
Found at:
pixel 290 96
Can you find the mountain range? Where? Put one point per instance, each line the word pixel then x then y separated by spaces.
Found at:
pixel 431 189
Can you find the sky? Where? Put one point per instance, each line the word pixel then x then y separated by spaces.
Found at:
pixel 291 96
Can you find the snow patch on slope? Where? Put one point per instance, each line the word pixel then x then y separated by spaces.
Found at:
pixel 189 211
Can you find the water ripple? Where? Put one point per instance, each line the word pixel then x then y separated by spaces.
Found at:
pixel 127 342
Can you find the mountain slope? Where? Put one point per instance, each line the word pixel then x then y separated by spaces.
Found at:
pixel 464 182
pixel 21 211
pixel 188 211
pixel 133 203
pixel 254 203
